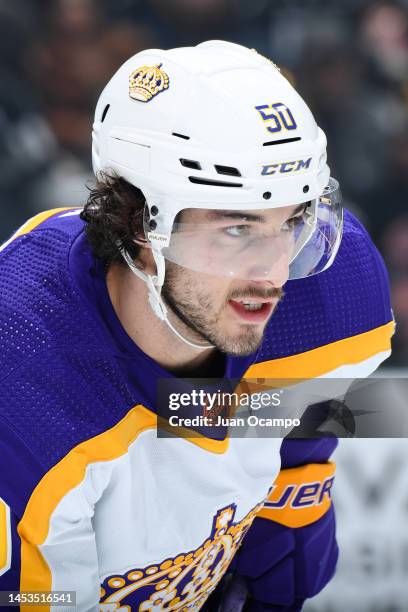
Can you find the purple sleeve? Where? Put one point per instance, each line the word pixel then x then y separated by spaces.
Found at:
pixel 283 566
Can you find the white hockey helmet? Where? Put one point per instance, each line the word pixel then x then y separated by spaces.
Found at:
pixel 216 127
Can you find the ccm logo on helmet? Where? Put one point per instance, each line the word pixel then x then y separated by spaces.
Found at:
pixel 287 167
pixel 299 496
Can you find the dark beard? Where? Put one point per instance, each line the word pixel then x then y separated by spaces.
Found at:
pixel 194 308
pixel 185 311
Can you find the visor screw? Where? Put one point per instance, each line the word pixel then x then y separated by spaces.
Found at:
pixel 154 210
pixel 305 188
pixel 152 224
pixel 267 195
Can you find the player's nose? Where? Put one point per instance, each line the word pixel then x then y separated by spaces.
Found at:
pixel 273 268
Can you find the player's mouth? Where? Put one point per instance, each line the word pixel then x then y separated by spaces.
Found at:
pixel 252 310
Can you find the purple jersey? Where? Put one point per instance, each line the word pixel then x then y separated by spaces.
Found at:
pixel 90 499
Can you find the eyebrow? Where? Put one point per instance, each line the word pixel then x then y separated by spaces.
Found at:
pixel 215 215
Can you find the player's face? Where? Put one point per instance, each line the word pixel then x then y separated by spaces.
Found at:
pixel 231 313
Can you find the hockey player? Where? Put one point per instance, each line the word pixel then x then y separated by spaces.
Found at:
pixel 213 191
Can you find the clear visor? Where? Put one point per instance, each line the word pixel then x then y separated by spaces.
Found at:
pixel 263 244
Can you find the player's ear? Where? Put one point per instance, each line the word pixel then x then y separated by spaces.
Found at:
pixel 141 241
pixel 145 259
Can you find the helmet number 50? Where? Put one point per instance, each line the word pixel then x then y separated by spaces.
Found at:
pixel 279 115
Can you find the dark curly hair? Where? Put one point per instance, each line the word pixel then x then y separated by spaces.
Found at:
pixel 114 216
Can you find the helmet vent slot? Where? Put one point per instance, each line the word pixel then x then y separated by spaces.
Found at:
pixel 283 141
pixel 105 112
pixel 228 170
pixel 199 181
pixel 180 136
pixel 189 163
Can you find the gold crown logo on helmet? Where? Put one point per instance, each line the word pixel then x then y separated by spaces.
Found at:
pixel 146 82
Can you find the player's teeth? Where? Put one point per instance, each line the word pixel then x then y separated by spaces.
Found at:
pixel 256 306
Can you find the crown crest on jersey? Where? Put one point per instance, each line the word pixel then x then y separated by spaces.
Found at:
pixel 146 82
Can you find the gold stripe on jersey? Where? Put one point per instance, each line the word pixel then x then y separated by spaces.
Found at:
pixel 327 358
pixel 208 444
pixel 34 222
pixel 4 537
pixel 62 478
pixel 69 473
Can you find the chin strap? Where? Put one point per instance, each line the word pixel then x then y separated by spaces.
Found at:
pixel 154 285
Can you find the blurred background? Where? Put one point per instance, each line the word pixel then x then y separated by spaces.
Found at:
pixel 349 59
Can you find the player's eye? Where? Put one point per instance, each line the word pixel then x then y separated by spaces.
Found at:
pixel 237 231
pixel 293 223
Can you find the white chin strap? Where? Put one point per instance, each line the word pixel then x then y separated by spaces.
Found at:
pixel 154 284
